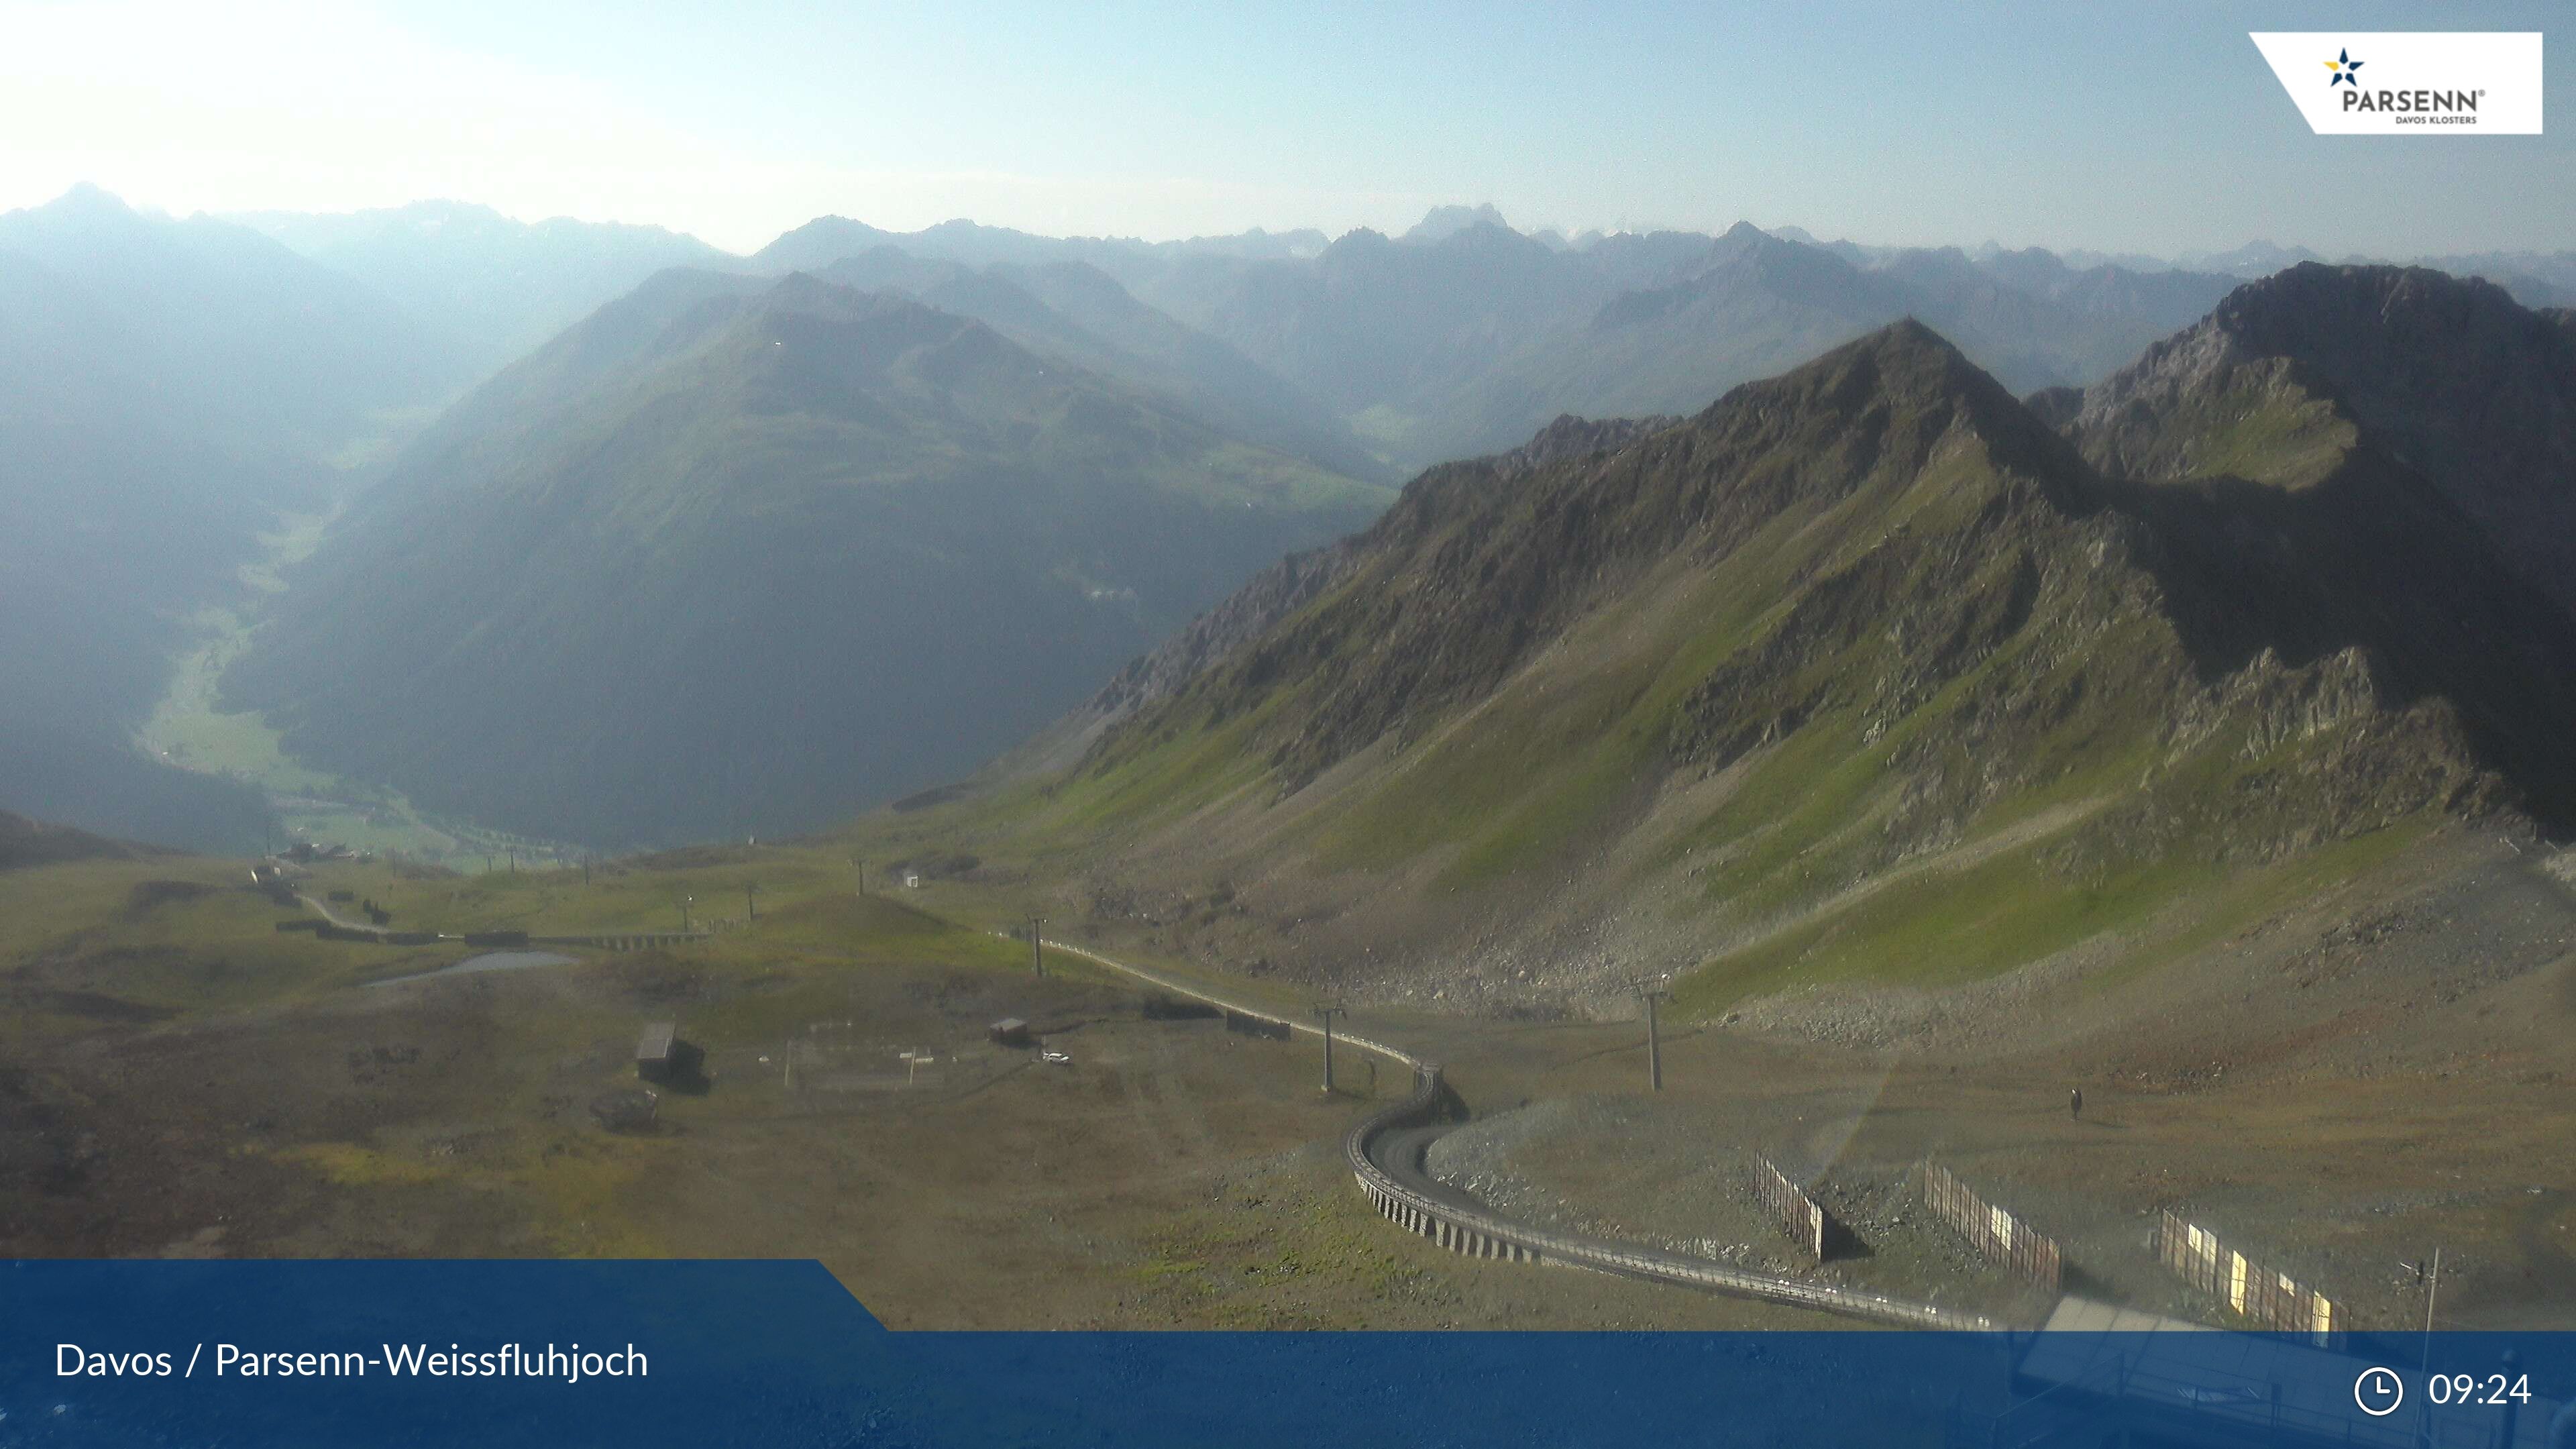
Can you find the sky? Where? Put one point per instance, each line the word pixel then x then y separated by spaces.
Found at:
pixel 2159 130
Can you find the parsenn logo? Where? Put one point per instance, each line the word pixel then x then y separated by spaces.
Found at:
pixel 2443 83
pixel 2347 71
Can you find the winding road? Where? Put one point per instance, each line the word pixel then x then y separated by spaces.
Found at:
pixel 1385 1152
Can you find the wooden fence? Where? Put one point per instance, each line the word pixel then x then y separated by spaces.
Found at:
pixel 1797 1214
pixel 2267 1297
pixel 1994 1233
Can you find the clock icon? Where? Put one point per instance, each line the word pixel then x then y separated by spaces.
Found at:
pixel 2379 1391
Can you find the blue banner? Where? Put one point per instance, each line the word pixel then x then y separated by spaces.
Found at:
pixel 778 1353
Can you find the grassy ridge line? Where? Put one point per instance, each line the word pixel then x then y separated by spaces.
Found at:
pixel 1404 1059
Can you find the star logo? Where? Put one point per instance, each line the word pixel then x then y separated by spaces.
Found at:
pixel 2344 68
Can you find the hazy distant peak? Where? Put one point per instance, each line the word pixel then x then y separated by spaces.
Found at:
pixel 831 221
pixel 1744 240
pixel 85 204
pixel 1357 239
pixel 89 196
pixel 1443 222
pixel 2255 258
pixel 820 242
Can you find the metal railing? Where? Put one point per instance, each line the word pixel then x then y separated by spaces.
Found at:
pixel 1481 1234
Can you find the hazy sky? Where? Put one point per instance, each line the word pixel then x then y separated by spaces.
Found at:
pixel 2045 123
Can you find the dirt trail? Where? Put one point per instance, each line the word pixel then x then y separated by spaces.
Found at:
pixel 1966 855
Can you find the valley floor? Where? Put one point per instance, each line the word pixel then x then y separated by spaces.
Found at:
pixel 190 728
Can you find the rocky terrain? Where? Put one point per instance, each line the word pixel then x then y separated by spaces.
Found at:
pixel 1868 678
pixel 1618 1168
pixel 2447 376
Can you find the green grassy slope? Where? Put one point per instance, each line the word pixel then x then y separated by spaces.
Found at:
pixel 1864 674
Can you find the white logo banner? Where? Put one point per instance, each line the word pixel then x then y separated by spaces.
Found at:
pixel 2425 83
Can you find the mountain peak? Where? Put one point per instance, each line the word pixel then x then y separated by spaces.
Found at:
pixel 1913 378
pixel 1358 241
pixel 829 222
pixel 2352 329
pixel 2317 307
pixel 1907 335
pixel 1443 222
pixel 1842 621
pixel 85 204
pixel 83 194
pixel 1744 241
pixel 2295 374
pixel 819 243
pixel 1909 362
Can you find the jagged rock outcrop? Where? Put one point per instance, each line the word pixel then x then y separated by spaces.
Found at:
pixel 2448 377
pixel 1573 437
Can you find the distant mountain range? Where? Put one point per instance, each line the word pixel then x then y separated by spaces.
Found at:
pixel 740 556
pixel 1465 335
pixel 1080 313
pixel 1210 405
pixel 1457 338
pixel 827 239
pixel 1873 672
